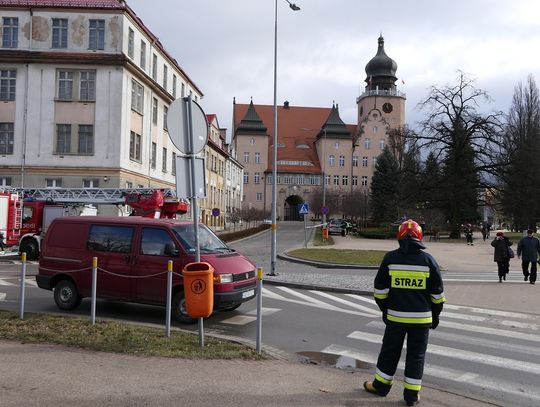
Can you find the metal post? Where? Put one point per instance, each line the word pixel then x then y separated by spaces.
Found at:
pixel 305 231
pixel 324 180
pixel 169 298
pixel 23 284
pixel 259 308
pixel 274 158
pixel 94 286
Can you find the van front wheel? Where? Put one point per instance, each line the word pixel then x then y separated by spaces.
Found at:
pixel 179 312
pixel 66 295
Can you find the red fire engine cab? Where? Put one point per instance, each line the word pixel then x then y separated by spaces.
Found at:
pixel 25 214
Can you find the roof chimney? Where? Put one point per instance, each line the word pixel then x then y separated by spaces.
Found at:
pixel 286 104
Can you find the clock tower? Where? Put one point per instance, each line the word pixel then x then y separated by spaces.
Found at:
pixel 381 106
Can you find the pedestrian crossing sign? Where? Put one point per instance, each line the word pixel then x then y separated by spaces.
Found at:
pixel 303 209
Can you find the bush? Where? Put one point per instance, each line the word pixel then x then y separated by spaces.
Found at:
pixel 240 234
pixel 377 233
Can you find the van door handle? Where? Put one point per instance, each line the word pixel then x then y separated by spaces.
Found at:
pixel 128 259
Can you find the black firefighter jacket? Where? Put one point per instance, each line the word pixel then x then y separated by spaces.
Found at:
pixel 408 286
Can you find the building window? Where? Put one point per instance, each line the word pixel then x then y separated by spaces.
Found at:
pixel 257 158
pixel 53 182
pixel 8 79
pixel 257 178
pixel 173 164
pixel 6 138
pixel 131 42
pixel 59 32
pixel 165 74
pixel 154 156
pixel 183 89
pixel 342 161
pixel 97 35
pixel 336 179
pixel 164 160
pixel 142 62
pixel 374 161
pixel 5 182
pixel 355 180
pixel 336 145
pixel 246 157
pixel 165 113
pixel 259 196
pixel 327 179
pixel 87 85
pixel 174 85
pixel 10 32
pixel 91 183
pixel 367 143
pixel 364 161
pixel 332 160
pixel 63 138
pixel 137 96
pixel 134 146
pixel 77 85
pixel 375 129
pixel 381 144
pixel 355 161
pixel 345 180
pixel 129 184
pixel 154 67
pixel 364 180
pixel 86 139
pixel 154 110
pixel 252 141
pixel 246 177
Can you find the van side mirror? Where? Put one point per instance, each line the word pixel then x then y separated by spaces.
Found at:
pixel 171 250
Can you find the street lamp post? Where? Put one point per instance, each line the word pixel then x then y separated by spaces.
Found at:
pixel 293 7
pixel 324 181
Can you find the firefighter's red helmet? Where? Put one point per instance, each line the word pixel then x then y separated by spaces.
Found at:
pixel 410 228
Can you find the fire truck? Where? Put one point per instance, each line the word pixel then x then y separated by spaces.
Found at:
pixel 25 214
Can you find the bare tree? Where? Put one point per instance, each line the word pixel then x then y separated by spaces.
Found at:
pixel 466 141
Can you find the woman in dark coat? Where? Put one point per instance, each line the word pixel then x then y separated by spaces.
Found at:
pixel 501 245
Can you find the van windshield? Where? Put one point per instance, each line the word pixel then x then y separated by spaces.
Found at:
pixel 208 241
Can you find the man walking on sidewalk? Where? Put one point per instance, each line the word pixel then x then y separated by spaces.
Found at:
pixel 528 249
pixel 409 292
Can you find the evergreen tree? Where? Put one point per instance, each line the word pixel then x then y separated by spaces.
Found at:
pixel 385 188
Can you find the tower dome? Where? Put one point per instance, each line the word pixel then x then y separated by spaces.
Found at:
pixel 381 70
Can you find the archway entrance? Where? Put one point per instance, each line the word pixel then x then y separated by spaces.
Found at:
pixel 291 208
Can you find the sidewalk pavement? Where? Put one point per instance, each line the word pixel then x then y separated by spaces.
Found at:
pixel 49 375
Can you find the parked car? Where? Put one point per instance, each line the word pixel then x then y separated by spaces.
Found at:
pixel 337 227
pixel 133 253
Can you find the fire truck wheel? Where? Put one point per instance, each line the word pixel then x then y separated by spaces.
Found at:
pixel 31 248
pixel 179 312
pixel 66 295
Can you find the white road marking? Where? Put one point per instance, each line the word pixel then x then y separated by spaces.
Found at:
pixel 475 357
pixel 265 311
pixel 492 331
pixel 239 320
pixel 3 296
pixel 345 302
pixel 5 282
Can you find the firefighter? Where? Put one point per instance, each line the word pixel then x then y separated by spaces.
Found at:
pixel 409 292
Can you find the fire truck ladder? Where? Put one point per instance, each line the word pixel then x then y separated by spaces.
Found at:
pixel 85 195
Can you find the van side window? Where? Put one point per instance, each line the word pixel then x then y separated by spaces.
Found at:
pixel 115 239
pixel 156 242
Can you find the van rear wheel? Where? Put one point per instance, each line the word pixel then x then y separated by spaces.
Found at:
pixel 179 311
pixel 66 295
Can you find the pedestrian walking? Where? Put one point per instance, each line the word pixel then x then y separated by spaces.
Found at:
pixel 1 241
pixel 469 234
pixel 485 231
pixel 501 254
pixel 528 249
pixel 409 292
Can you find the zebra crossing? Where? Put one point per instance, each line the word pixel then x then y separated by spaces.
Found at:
pixel 495 353
pixel 15 281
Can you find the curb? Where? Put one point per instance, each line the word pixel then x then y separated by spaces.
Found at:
pixel 324 265
pixel 317 287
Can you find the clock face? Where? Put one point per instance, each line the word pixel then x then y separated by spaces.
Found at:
pixel 387 108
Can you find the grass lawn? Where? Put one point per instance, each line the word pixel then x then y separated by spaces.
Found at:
pixel 340 256
pixel 110 336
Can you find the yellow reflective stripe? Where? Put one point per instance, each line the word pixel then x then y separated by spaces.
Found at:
pixel 415 280
pixel 438 300
pixel 380 296
pixel 405 320
pixel 415 387
pixel 383 380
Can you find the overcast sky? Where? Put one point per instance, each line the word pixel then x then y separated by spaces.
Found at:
pixel 227 48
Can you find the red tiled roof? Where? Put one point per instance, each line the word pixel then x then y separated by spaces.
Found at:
pixel 108 4
pixel 296 125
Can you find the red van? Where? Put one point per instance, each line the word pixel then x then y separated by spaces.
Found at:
pixel 133 253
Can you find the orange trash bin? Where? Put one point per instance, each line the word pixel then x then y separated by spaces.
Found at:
pixel 199 289
pixel 325 233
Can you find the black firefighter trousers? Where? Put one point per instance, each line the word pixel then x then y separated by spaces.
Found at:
pixel 394 336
